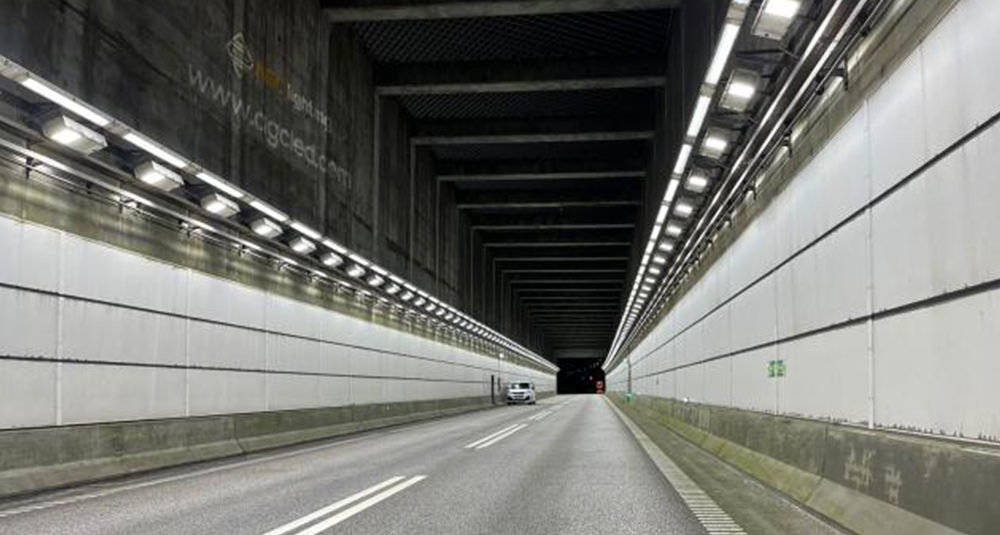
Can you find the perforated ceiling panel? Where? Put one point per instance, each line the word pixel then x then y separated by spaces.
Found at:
pixel 607 34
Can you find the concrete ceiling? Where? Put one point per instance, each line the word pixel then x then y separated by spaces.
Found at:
pixel 539 117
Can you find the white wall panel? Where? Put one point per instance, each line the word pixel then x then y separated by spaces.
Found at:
pixel 27 393
pixel 93 331
pixel 334 391
pixel 752 388
pixel 719 382
pixel 28 323
pixel 366 390
pixel 937 367
pixel 94 271
pixel 898 126
pixel 220 392
pixel 978 22
pixel 219 300
pixel 754 315
pixel 827 284
pixel 294 391
pixel 94 393
pixel 941 60
pixel 225 346
pixel 27 259
pixel 827 376
pixel 934 234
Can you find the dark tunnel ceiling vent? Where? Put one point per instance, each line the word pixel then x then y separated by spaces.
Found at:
pixel 614 34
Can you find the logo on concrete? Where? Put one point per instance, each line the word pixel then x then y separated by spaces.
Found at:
pixel 239 53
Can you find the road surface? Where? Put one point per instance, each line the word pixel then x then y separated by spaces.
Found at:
pixel 565 466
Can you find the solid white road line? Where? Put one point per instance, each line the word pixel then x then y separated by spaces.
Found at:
pixel 103 491
pixel 319 513
pixel 540 415
pixel 501 437
pixel 484 439
pixel 709 514
pixel 351 511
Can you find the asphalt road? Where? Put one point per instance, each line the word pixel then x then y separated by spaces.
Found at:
pixel 565 466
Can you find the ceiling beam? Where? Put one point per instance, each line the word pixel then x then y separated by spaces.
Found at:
pixel 556 226
pixel 590 304
pixel 560 258
pixel 568 290
pixel 566 84
pixel 526 205
pixel 508 139
pixel 603 315
pixel 568 314
pixel 521 166
pixel 530 270
pixel 382 10
pixel 555 244
pixel 542 177
pixel 573 281
pixel 477 77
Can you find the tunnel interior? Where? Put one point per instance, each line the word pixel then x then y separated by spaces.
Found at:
pixel 237 232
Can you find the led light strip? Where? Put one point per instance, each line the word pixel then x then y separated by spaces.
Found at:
pixel 643 283
pixel 677 272
pixel 221 204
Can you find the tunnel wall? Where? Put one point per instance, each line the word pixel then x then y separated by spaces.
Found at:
pixel 883 237
pixel 104 335
pixel 869 267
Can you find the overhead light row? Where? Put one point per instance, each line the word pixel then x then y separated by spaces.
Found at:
pixel 161 172
pixel 736 95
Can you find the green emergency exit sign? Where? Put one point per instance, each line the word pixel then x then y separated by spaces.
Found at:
pixel 776 368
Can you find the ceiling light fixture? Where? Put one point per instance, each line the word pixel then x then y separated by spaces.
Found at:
pixel 219 205
pixel 263 226
pixel 69 133
pixel 158 176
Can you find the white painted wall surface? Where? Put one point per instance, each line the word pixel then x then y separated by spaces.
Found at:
pixel 935 367
pixel 90 333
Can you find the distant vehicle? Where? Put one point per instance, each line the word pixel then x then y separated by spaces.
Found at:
pixel 600 387
pixel 521 393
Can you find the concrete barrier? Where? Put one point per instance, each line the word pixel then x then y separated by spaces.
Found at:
pixel 34 459
pixel 44 458
pixel 869 481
